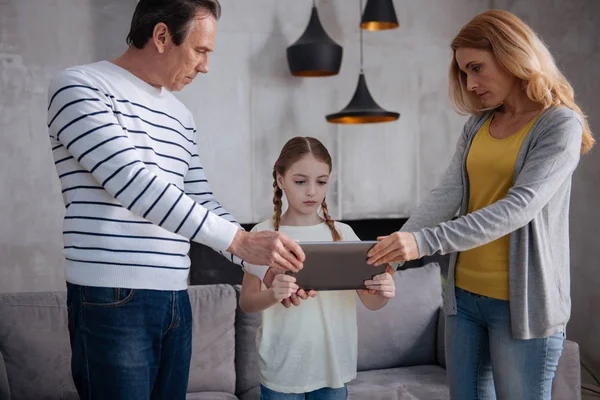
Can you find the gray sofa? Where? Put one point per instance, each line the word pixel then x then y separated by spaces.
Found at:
pixel 401 352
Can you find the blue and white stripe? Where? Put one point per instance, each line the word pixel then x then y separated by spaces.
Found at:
pixel 131 179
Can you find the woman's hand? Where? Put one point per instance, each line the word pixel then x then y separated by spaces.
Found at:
pixel 399 246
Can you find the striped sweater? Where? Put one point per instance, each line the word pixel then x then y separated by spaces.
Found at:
pixel 134 189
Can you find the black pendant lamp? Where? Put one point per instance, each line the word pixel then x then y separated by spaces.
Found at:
pixel 362 109
pixel 314 53
pixel 379 15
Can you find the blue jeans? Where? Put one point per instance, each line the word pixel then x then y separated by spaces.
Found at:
pixel 320 394
pixel 484 361
pixel 129 343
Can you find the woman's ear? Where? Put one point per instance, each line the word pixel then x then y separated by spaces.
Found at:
pixel 280 181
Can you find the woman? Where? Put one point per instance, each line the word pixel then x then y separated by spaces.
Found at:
pixel 507 298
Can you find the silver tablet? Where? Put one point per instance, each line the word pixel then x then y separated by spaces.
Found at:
pixel 336 265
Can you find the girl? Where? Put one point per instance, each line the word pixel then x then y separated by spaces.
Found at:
pixel 307 352
pixel 507 300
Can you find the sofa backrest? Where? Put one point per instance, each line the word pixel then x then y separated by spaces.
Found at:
pixel 34 340
pixel 34 343
pixel 246 354
pixel 441 344
pixel 4 390
pixel 404 332
pixel 212 368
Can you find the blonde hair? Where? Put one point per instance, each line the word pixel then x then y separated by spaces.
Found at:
pixel 523 54
pixel 292 151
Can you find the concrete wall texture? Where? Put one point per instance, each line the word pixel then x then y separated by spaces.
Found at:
pixel 249 105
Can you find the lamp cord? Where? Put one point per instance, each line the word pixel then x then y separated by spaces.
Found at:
pixel 361 36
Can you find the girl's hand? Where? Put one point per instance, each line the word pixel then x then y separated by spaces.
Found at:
pixel 382 285
pixel 283 287
pixel 294 298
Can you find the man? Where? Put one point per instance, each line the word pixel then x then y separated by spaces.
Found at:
pixel 135 194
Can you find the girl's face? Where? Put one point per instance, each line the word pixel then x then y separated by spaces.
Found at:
pixel 305 184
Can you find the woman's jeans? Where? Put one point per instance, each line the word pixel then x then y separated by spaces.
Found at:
pixel 484 361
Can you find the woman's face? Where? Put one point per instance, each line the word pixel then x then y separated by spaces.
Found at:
pixel 485 76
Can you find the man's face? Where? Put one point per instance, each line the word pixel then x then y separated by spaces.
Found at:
pixel 184 62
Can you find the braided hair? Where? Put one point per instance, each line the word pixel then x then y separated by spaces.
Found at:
pixel 292 151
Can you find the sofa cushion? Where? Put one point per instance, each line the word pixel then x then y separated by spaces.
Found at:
pixel 212 368
pixel 210 396
pixel 34 342
pixel 252 394
pixel 567 381
pixel 4 391
pixel 404 332
pixel 427 382
pixel 246 354
pixel 441 339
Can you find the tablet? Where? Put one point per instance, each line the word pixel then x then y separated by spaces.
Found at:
pixel 336 265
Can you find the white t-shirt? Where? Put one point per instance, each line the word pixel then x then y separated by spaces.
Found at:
pixel 312 346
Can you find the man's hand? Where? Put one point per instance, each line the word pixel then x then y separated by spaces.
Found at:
pixel 268 248
pixel 399 246
pixel 294 298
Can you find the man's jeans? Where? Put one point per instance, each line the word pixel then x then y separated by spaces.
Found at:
pixel 483 360
pixel 129 343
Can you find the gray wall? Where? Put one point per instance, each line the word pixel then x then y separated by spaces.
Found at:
pixel 36 40
pixel 249 105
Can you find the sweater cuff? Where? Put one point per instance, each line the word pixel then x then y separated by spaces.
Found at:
pixel 257 270
pixel 421 244
pixel 217 233
pixel 396 264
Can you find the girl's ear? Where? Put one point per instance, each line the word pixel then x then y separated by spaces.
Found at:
pixel 280 181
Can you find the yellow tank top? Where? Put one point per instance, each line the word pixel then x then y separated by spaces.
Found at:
pixel 490 165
